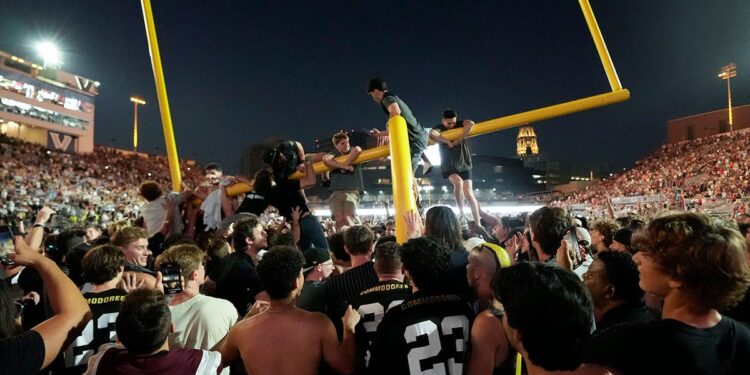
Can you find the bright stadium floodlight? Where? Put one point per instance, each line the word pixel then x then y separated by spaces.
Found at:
pixel 136 101
pixel 725 74
pixel 49 53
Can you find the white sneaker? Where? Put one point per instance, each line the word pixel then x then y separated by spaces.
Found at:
pixel 463 221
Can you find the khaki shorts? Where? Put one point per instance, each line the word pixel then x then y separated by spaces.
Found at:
pixel 345 201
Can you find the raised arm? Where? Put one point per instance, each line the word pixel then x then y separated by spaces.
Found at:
pixel 71 310
pixel 610 209
pixel 36 233
pixel 340 355
pixel 478 229
pixel 489 219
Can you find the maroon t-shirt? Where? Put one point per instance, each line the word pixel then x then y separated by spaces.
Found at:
pixel 118 361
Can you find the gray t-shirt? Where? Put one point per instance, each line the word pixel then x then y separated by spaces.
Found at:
pixel 345 180
pixel 456 159
pixel 417 134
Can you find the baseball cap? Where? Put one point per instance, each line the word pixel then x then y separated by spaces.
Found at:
pixel 583 235
pixel 315 256
pixel 623 236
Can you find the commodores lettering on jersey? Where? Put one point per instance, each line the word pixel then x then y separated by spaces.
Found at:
pixel 387 287
pixel 431 299
pixel 103 300
pixel 372 304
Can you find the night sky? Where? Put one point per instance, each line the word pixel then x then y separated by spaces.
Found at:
pixel 238 72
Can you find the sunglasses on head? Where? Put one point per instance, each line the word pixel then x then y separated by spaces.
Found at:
pixel 501 257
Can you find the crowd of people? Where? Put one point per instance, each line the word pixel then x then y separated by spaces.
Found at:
pixel 205 281
pixel 97 188
pixel 671 291
pixel 711 173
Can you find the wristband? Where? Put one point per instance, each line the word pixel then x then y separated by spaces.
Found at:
pixel 38 225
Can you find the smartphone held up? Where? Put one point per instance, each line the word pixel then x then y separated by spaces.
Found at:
pixel 170 278
pixel 6 245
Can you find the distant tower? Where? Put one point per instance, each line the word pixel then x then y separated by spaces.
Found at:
pixel 526 142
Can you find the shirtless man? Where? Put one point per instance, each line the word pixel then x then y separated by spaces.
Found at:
pixel 490 349
pixel 265 340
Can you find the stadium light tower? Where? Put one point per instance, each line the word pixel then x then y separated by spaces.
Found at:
pixel 726 73
pixel 49 53
pixel 136 101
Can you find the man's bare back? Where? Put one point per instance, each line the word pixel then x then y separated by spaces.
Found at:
pixel 287 340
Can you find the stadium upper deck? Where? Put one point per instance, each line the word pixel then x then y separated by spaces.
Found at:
pixel 46 106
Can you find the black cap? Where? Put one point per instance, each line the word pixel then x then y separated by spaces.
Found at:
pixel 315 256
pixel 623 236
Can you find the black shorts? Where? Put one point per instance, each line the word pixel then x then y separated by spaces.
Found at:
pixel 465 175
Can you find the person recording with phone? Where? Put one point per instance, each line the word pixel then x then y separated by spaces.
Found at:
pixel 28 279
pixel 34 238
pixel 200 322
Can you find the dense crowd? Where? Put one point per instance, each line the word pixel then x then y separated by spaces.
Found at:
pixel 112 273
pixel 702 174
pixel 96 188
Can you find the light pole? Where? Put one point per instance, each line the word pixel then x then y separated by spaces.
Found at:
pixel 726 73
pixel 136 101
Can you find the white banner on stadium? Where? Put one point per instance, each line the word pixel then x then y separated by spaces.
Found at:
pixel 577 209
pixel 638 199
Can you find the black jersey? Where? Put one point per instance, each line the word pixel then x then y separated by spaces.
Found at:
pixel 341 290
pixel 100 330
pixel 425 332
pixel 372 304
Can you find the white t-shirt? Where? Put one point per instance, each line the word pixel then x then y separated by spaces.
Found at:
pixel 201 322
pixel 153 214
